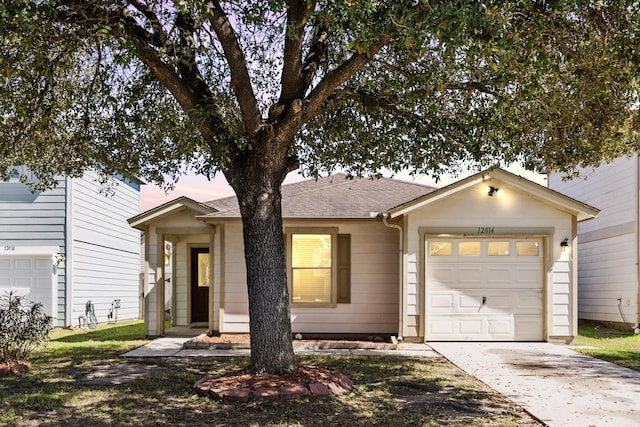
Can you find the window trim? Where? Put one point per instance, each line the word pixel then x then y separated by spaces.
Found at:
pixel 333 231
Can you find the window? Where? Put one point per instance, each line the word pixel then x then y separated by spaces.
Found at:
pixel 311 267
pixel 440 248
pixel 469 248
pixel 528 248
pixel 319 267
pixel 498 248
pixel 203 270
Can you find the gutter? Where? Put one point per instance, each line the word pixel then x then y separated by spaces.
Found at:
pixel 385 217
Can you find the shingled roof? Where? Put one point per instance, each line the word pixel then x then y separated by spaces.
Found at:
pixel 335 196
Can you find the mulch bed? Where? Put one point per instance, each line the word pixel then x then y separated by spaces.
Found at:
pixel 242 386
pixel 14 368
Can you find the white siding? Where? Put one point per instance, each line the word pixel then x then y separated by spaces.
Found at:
pixel 105 250
pixel 607 265
pixel 35 219
pixel 509 212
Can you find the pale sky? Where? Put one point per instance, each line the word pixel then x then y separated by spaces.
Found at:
pixel 200 189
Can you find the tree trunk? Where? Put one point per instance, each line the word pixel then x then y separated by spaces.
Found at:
pixel 258 192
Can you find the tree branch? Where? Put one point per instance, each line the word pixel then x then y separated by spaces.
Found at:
pixel 240 80
pixel 474 86
pixel 160 36
pixel 292 82
pixel 339 76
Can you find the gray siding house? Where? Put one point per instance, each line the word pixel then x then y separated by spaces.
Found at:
pixel 71 245
pixel 608 246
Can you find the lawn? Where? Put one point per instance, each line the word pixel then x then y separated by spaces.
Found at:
pixel 72 383
pixel 622 348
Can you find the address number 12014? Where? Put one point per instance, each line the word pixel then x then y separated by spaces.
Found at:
pixel 486 230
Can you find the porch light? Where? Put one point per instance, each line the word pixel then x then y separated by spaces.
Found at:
pixel 491 190
pixel 59 259
pixel 564 245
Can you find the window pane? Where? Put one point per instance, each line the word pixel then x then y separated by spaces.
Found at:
pixel 203 270
pixel 469 248
pixel 528 248
pixel 311 250
pixel 312 285
pixel 498 248
pixel 440 248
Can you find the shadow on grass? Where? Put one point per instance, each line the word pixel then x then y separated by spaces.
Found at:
pixel 388 391
pixel 114 332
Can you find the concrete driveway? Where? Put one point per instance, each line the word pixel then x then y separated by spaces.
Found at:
pixel 558 386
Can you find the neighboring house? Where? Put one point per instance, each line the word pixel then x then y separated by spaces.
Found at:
pixel 609 247
pixel 486 258
pixel 70 245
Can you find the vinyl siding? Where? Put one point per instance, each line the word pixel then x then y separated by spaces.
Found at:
pixel 607 265
pixel 183 230
pixel 374 307
pixel 35 219
pixel 105 251
pixel 510 212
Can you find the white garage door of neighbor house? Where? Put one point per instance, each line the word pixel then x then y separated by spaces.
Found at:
pixel 484 289
pixel 30 276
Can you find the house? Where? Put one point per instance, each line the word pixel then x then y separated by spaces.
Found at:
pixel 609 247
pixel 70 245
pixel 485 258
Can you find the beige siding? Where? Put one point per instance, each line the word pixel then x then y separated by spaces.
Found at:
pixel 182 229
pixel 510 212
pixel 607 267
pixel 374 303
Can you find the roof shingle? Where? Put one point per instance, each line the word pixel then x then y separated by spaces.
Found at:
pixel 335 196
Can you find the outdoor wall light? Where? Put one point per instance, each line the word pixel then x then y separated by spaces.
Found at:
pixel 564 245
pixel 492 190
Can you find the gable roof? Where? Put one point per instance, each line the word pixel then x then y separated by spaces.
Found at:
pixel 336 196
pixel 172 206
pixel 582 211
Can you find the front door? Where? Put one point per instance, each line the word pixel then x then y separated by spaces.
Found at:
pixel 200 285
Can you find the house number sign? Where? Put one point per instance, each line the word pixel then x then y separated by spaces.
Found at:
pixel 9 248
pixel 486 230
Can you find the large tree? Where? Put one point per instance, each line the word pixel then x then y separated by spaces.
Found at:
pixel 256 89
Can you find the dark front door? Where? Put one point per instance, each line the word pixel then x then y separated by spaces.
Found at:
pixel 200 284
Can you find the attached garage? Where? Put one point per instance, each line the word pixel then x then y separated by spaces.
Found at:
pixel 30 272
pixel 489 258
pixel 487 289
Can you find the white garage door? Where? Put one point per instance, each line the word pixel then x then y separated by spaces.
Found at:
pixel 31 276
pixel 484 289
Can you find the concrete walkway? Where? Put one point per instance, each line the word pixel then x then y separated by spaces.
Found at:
pixel 173 347
pixel 558 386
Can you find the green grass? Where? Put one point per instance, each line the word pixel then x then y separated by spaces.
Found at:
pixel 105 341
pixel 612 345
pixel 389 391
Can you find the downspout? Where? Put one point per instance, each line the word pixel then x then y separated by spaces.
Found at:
pixel 636 328
pixel 385 217
pixel 68 253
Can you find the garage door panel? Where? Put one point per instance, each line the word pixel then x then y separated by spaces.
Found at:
pixel 528 328
pixel 32 277
pixel 440 327
pixel 471 327
pixel 438 301
pixel 500 327
pixel 511 285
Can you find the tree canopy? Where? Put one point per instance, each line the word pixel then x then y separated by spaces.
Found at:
pixel 144 87
pixel 257 89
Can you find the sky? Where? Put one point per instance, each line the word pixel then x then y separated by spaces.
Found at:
pixel 200 189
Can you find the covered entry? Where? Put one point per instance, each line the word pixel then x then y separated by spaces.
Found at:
pixel 484 289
